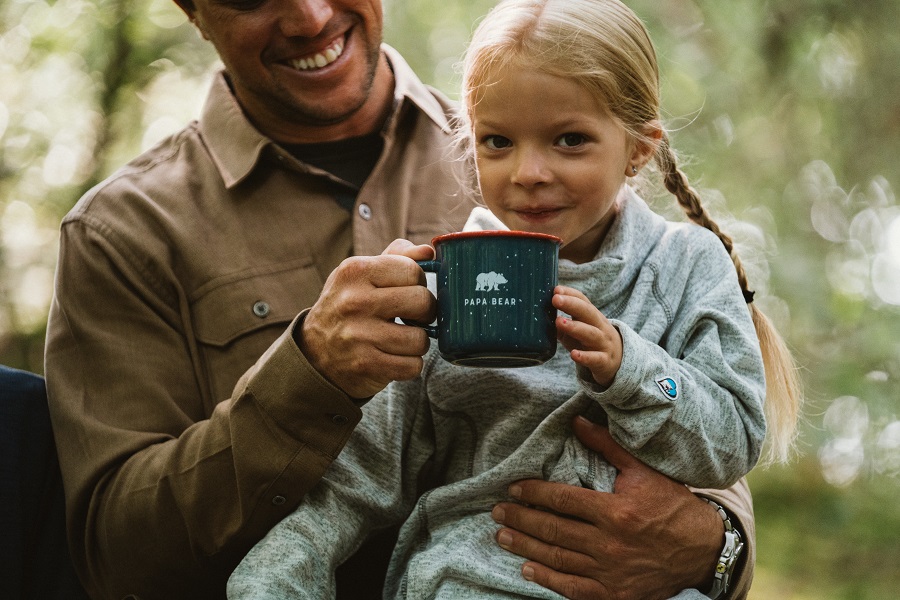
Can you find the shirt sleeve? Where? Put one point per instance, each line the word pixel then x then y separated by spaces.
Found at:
pixel 167 488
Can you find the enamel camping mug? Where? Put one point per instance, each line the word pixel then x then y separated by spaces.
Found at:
pixel 494 294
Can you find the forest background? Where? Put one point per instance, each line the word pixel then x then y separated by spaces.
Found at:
pixel 788 116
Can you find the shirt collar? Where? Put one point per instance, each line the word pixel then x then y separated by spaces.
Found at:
pixel 236 145
pixel 407 86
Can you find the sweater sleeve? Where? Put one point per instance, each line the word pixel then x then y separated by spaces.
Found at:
pixel 691 406
pixel 373 484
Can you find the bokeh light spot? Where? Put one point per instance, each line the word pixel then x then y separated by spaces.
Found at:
pixel 886 279
pixel 847 417
pixel 841 460
pixel 166 14
pixel 4 118
pixel 32 295
pixel 59 165
pixel 887 450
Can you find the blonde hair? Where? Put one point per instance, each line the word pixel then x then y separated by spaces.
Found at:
pixel 605 47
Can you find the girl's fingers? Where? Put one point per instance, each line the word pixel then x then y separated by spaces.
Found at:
pixel 597 349
pixel 585 336
pixel 579 309
pixel 564 290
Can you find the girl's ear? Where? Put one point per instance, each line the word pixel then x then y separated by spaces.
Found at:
pixel 645 147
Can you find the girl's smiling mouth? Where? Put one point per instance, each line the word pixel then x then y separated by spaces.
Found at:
pixel 537 214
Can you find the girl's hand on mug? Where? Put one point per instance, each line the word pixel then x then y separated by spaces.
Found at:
pixel 589 337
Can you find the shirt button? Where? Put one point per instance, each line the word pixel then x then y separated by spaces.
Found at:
pixel 339 420
pixel 261 309
pixel 278 500
pixel 365 212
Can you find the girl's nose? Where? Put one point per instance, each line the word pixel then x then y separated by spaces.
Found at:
pixel 304 18
pixel 531 169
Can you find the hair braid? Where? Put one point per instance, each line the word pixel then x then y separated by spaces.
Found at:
pixel 689 200
pixel 783 390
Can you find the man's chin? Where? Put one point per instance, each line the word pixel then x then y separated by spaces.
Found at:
pixel 345 101
pixel 323 116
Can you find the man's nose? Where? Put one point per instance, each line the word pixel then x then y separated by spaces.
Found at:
pixel 304 18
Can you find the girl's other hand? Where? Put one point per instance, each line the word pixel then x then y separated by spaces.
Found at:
pixel 588 335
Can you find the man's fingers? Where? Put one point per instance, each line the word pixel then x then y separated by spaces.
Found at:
pixel 411 303
pixel 382 287
pixel 349 335
pixel 552 528
pixel 410 250
pixel 385 271
pixel 570 586
pixel 560 498
pixel 649 539
pixel 552 556
pixel 391 367
pixel 384 352
pixel 400 340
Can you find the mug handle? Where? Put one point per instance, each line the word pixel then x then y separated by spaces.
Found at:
pixel 429 266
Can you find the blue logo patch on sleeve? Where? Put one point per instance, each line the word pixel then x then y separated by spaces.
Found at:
pixel 668 387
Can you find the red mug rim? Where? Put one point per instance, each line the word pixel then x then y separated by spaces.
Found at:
pixel 495 233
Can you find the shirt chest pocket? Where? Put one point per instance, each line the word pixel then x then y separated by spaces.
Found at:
pixel 238 319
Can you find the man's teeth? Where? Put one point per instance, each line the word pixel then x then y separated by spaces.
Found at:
pixel 321 59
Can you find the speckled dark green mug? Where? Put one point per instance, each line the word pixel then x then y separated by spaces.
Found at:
pixel 494 292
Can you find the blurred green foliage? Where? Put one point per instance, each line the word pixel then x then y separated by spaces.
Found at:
pixel 787 118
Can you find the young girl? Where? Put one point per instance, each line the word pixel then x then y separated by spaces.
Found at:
pixel 561 109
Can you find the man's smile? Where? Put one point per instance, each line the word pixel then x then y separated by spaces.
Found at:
pixel 320 59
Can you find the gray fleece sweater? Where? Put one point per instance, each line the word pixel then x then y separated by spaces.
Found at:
pixel 436 453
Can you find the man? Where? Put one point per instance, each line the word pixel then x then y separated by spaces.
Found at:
pixel 194 397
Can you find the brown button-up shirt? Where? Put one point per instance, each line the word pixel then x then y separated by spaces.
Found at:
pixel 188 422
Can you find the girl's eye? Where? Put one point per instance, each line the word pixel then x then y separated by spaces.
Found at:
pixel 496 142
pixel 571 140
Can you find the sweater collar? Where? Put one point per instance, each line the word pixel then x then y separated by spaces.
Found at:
pixel 628 243
pixel 631 238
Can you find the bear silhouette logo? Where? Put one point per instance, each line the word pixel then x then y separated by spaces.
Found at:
pixel 489 282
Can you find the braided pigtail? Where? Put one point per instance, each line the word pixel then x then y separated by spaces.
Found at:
pixel 783 390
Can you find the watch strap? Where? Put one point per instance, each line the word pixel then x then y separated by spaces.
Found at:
pixel 727 558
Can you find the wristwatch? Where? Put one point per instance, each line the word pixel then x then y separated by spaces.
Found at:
pixel 728 558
